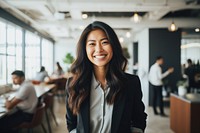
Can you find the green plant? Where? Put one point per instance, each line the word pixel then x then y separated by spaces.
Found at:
pixel 68 58
pixel 125 52
pixel 182 82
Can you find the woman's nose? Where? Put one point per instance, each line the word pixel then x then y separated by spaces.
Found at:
pixel 99 48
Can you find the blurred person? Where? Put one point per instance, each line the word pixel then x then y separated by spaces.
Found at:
pixel 190 72
pixel 58 73
pixel 101 97
pixel 41 75
pixel 155 78
pixel 25 102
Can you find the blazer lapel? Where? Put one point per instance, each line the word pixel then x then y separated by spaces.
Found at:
pixel 117 112
pixel 84 111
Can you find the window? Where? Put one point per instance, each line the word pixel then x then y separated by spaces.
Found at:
pixel 37 51
pixel 47 55
pixel 18 48
pixel 32 54
pixel 2 53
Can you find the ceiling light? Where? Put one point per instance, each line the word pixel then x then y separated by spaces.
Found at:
pixel 84 16
pixel 128 34
pixel 172 27
pixel 197 30
pixel 136 18
pixel 59 16
pixel 121 39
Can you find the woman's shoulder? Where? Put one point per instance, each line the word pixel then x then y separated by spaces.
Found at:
pixel 131 76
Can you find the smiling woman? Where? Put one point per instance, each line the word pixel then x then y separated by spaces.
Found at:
pixel 98 48
pixel 100 95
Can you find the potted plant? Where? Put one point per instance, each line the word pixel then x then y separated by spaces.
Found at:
pixel 68 60
pixel 182 86
pixel 125 52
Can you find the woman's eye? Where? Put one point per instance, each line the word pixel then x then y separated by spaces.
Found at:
pixel 91 44
pixel 106 42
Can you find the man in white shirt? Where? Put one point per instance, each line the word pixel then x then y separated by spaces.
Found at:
pixel 155 78
pixel 25 101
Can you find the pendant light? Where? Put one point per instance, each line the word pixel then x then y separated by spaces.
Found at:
pixel 172 27
pixel 136 17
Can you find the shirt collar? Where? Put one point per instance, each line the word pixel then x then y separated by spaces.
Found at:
pixel 96 83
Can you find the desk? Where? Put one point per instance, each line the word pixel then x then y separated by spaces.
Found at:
pixel 185 113
pixel 40 89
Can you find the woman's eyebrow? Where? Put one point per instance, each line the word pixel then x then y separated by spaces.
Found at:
pixel 100 39
pixel 104 39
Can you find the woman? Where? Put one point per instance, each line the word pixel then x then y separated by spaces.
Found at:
pixel 58 73
pixel 41 75
pixel 101 97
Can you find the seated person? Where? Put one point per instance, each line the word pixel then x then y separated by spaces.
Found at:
pixel 58 73
pixel 41 75
pixel 25 102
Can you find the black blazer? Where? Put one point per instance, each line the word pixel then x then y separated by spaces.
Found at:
pixel 128 110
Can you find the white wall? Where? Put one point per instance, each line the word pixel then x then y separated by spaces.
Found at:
pixel 62 48
pixel 143 62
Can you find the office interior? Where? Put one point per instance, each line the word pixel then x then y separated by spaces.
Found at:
pixel 35 33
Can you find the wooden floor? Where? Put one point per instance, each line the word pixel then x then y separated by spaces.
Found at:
pixel 155 124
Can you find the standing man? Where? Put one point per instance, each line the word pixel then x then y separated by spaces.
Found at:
pixel 190 72
pixel 25 102
pixel 155 78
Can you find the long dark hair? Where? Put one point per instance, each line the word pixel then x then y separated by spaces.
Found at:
pixel 82 69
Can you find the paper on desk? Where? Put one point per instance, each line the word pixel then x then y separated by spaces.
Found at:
pixel 3 109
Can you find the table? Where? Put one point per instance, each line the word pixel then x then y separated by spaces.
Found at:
pixel 185 113
pixel 42 89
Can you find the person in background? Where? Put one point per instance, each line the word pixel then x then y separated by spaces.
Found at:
pixel 41 75
pixel 101 97
pixel 189 71
pixel 25 102
pixel 155 78
pixel 58 73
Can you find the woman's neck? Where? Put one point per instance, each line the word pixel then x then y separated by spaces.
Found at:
pixel 100 75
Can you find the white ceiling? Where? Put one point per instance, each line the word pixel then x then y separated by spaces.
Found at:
pixel 41 14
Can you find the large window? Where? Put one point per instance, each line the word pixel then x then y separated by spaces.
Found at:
pixel 2 53
pixel 11 60
pixel 47 55
pixel 190 49
pixel 16 43
pixel 32 54
pixel 18 49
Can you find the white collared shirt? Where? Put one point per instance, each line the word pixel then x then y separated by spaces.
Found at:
pixel 100 110
pixel 156 75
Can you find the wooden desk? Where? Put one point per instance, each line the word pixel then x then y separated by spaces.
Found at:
pixel 185 113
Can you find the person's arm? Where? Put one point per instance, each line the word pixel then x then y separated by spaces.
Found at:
pixel 71 119
pixel 161 75
pixel 138 114
pixel 11 104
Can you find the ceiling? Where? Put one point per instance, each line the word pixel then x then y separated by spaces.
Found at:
pixel 62 19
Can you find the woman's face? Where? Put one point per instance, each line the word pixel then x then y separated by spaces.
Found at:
pixel 98 48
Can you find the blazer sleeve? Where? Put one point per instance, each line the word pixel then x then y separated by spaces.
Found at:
pixel 138 116
pixel 71 119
